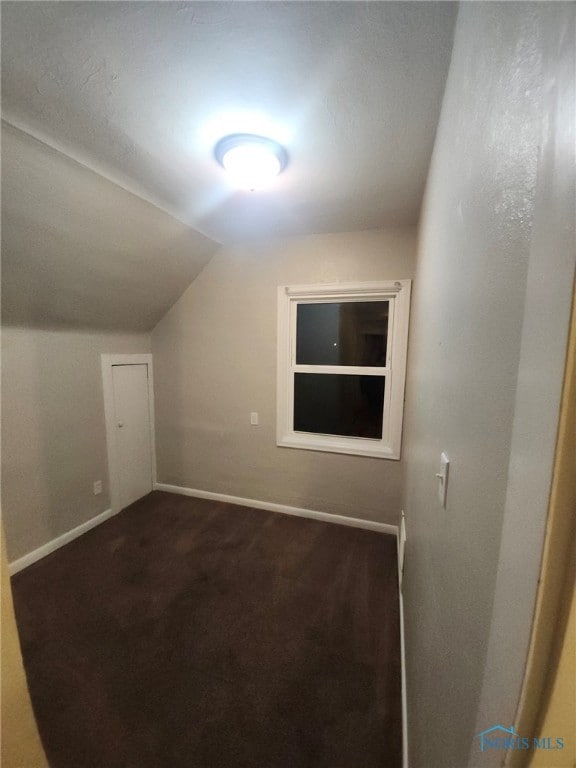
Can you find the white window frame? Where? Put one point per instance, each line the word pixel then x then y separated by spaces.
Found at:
pixel 397 292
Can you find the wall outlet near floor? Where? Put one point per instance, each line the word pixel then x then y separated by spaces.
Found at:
pixel 254 419
pixel 97 487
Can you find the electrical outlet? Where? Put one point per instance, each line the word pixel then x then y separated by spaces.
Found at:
pixel 97 487
pixel 254 419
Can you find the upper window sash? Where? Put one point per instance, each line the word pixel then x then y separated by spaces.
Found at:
pixel 360 328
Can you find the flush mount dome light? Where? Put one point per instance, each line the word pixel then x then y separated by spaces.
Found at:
pixel 250 161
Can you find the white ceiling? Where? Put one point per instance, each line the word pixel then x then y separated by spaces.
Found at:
pixel 141 92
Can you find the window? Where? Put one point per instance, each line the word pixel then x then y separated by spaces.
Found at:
pixel 342 366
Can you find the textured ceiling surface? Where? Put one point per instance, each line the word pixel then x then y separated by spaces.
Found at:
pixel 79 251
pixel 141 92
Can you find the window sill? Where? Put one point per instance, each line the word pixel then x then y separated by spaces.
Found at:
pixel 328 444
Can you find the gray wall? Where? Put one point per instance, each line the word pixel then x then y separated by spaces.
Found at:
pixel 215 362
pixel 53 432
pixel 488 333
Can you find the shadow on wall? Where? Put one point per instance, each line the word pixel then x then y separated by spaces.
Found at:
pixel 53 431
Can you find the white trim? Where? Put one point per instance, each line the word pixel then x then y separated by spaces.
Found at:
pixel 401 540
pixel 59 541
pixel 404 691
pixel 342 369
pixel 107 361
pixel 355 446
pixel 397 293
pixel 270 506
pixel 381 289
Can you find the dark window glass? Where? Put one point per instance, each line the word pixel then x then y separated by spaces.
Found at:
pixel 337 404
pixel 345 333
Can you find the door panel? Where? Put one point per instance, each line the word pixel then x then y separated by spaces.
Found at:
pixel 132 414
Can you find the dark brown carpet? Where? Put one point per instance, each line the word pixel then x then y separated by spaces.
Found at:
pixel 192 634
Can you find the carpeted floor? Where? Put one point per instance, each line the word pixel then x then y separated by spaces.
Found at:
pixel 193 634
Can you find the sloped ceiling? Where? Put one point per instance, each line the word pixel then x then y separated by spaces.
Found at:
pixel 77 250
pixel 139 92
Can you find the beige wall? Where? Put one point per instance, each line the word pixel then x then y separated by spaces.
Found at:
pixel 488 335
pixel 215 362
pixel 53 433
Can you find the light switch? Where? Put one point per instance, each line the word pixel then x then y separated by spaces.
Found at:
pixel 97 487
pixel 442 478
pixel 254 419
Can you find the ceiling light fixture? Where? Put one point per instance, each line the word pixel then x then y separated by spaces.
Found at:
pixel 250 161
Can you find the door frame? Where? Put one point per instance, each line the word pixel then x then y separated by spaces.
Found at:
pixel 107 362
pixel 548 640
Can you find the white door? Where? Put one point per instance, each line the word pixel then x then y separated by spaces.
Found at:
pixel 134 447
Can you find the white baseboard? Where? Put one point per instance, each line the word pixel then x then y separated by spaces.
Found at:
pixel 52 546
pixel 401 551
pixel 270 506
